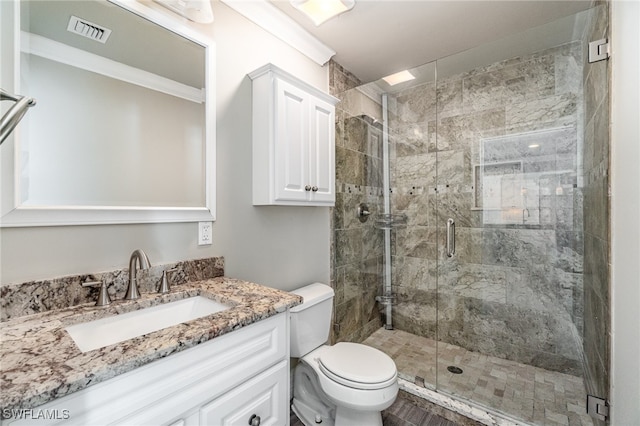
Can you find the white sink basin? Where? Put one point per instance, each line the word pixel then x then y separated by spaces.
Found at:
pixel 107 331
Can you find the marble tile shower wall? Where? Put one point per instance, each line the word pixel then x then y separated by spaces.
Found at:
pixel 596 213
pixel 356 247
pixel 512 290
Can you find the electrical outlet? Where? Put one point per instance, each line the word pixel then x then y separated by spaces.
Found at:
pixel 204 233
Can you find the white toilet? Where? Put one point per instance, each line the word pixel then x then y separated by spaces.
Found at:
pixel 347 384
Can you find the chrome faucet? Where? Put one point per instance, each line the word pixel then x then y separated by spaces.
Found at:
pixel 143 262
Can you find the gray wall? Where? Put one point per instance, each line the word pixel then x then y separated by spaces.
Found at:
pixel 281 247
pixel 625 205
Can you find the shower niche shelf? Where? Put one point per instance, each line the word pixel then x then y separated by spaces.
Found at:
pixel 390 221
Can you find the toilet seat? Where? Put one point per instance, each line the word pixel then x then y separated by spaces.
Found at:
pixel 357 366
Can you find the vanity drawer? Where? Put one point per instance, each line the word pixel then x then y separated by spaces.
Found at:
pixel 159 392
pixel 262 400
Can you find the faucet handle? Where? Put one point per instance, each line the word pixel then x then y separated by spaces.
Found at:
pixel 103 296
pixel 165 286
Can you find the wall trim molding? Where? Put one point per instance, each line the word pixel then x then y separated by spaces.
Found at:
pixel 277 23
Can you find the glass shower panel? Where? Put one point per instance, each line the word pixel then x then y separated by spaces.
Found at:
pixel 411 114
pixel 508 174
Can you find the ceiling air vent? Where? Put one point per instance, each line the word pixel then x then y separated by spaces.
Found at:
pixel 88 29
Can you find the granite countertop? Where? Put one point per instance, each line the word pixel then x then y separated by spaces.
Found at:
pixel 40 362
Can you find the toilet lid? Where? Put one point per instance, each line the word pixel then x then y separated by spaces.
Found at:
pixel 357 365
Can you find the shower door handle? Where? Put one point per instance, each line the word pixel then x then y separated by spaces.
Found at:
pixel 451 237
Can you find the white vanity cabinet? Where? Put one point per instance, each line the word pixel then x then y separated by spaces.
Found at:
pixel 293 141
pixel 234 379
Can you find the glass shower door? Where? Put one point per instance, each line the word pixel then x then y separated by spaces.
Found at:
pixel 510 143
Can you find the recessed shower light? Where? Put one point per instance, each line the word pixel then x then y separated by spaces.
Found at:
pixel 399 77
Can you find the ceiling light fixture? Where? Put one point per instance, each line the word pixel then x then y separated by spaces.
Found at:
pixel 320 11
pixel 399 77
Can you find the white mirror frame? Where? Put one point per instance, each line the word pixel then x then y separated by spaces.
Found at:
pixel 15 214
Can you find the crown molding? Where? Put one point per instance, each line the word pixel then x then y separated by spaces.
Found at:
pixel 276 22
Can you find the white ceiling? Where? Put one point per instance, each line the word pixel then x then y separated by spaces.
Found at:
pixel 380 37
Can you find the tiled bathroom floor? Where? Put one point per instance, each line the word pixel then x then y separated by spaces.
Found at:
pixel 529 393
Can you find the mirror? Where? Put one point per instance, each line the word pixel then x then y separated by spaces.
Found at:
pixel 124 127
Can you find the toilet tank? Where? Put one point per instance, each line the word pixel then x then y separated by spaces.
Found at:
pixel 311 321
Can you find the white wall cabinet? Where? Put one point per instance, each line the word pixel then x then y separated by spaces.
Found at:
pixel 293 141
pixel 229 380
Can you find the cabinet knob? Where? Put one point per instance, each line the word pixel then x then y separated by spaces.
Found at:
pixel 307 188
pixel 254 420
pixel 314 188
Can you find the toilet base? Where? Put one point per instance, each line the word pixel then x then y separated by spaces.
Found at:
pixel 310 416
pixel 343 416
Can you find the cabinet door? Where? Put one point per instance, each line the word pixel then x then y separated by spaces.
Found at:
pixel 322 151
pixel 291 148
pixel 262 400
